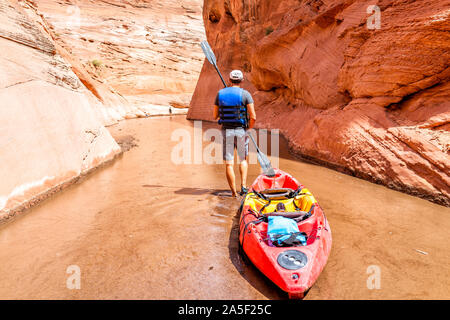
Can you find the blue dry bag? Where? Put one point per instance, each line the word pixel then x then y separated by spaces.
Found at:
pixel 284 232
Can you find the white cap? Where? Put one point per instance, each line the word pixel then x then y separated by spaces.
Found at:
pixel 236 75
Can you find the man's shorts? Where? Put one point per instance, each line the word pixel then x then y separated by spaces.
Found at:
pixel 235 138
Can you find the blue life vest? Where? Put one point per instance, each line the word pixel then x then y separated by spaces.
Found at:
pixel 232 111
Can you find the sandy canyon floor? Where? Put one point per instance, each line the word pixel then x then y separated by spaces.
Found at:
pixel 138 234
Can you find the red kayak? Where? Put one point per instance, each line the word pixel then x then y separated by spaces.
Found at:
pixel 293 268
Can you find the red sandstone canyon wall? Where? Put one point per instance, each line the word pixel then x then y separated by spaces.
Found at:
pixel 374 103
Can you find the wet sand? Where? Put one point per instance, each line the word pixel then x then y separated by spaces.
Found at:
pixel 145 228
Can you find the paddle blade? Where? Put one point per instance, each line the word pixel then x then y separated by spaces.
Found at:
pixel 265 164
pixel 208 52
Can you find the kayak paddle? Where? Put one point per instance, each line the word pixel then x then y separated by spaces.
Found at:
pixel 264 162
pixel 211 58
pixel 262 158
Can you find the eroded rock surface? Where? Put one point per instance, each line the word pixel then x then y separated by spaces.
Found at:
pixel 69 68
pixel 145 52
pixel 371 102
pixel 51 132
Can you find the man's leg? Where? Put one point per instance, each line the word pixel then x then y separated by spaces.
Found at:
pixel 228 157
pixel 242 149
pixel 243 169
pixel 231 177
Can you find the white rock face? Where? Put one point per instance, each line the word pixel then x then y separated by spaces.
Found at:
pixel 132 53
pixel 50 130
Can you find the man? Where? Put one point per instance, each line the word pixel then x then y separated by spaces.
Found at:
pixel 235 110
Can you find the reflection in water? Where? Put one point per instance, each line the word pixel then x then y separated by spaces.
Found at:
pixel 145 228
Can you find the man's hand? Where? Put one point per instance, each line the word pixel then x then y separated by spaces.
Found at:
pixel 216 113
pixel 252 115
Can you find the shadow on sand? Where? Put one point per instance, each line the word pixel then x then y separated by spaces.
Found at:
pixel 245 267
pixel 242 264
pixel 193 191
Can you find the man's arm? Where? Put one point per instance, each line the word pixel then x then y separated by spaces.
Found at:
pixel 216 108
pixel 251 114
pixel 216 113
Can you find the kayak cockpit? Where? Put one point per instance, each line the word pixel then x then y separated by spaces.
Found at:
pixel 299 206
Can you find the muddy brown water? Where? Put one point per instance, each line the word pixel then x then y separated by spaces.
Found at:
pixel 145 228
